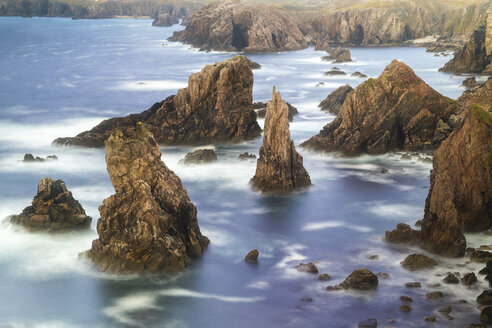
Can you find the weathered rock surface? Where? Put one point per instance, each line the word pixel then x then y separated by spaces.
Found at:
pixel 481 96
pixel 403 234
pixel 165 20
pixel 252 256
pixel 261 110
pixel 396 111
pixel 201 156
pixel 236 26
pixel 53 209
pixel 335 100
pixel 338 55
pixel 415 262
pixel 215 107
pixel 457 200
pixel 362 279
pixel 473 57
pixel 149 225
pixel 279 167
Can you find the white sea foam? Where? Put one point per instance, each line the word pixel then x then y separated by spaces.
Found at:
pixel 181 292
pixel 395 211
pixel 123 307
pixel 322 225
pixel 260 284
pixel 149 85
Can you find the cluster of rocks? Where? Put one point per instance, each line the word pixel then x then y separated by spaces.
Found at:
pixel 30 158
pixel 165 20
pixel 53 209
pixel 334 72
pixel 338 55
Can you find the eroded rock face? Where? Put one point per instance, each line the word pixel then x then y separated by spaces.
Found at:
pixel 457 200
pixel 261 110
pixel 335 100
pixel 53 209
pixel 215 107
pixel 481 96
pixel 279 167
pixel 165 20
pixel 236 26
pixel 149 224
pixel 396 111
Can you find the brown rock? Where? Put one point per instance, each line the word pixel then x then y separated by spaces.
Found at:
pixel 469 279
pixel 445 309
pixel 358 74
pixel 430 319
pixel 215 107
pixel 415 284
pixel 53 209
pixel 322 45
pixel 451 278
pixel 362 279
pixel 486 314
pixel 149 224
pixel 338 55
pixel 457 200
pixel 396 111
pixel 415 262
pixel 335 100
pixel 470 82
pixel 476 325
pixel 334 71
pixel 434 295
pixel 201 156
pixel 383 275
pixel 406 299
pixel 485 298
pixel 481 96
pixel 307 267
pixel 480 256
pixel 261 112
pixel 252 256
pixel 369 323
pixel 279 167
pixel 405 308
pixel 239 26
pixel 402 234
pixel 165 20
pixel 324 277
pixel 245 156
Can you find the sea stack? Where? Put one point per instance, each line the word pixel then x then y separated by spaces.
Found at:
pixel 460 194
pixel 396 111
pixel 216 107
pixel 149 225
pixel 279 168
pixel 53 209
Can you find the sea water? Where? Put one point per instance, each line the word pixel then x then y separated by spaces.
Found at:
pixel 59 77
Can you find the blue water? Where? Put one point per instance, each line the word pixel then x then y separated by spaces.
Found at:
pixel 59 77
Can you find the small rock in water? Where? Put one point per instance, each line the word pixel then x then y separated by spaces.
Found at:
pixel 201 156
pixel 415 284
pixel 480 256
pixel 406 299
pixel 405 308
pixel 335 71
pixel 373 257
pixel 430 319
pixel 476 325
pixel 406 157
pixel 445 309
pixel 252 256
pixel 362 279
pixel 245 156
pixel 333 288
pixel 485 298
pixel 307 267
pixel 383 275
pixel 486 314
pixel 307 299
pixel 324 277
pixel 434 295
pixel 469 279
pixel 358 74
pixel 415 262
pixel 451 278
pixel 369 323
pixel 384 170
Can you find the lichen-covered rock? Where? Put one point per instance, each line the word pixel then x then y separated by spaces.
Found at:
pixel 165 20
pixel 335 100
pixel 459 201
pixel 200 156
pixel 396 111
pixel 149 225
pixel 215 107
pixel 240 26
pixel 279 167
pixel 53 209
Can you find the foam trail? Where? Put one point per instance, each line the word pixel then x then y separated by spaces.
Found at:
pixel 181 292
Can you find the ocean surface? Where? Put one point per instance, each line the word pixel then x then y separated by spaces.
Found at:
pixel 59 77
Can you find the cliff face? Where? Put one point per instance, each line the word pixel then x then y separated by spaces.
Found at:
pixel 105 9
pixel 53 209
pixel 235 26
pixel 473 57
pixel 149 224
pixel 279 168
pixel 396 111
pixel 458 200
pixel 215 107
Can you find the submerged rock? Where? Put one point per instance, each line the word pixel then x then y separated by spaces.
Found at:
pixel 31 158
pixel 338 55
pixel 149 225
pixel 201 156
pixel 261 110
pixel 240 26
pixel 53 209
pixel 165 20
pixel 279 167
pixel 396 111
pixel 362 279
pixel 470 82
pixel 252 256
pixel 415 262
pixel 215 107
pixel 358 74
pixel 459 201
pixel 434 295
pixel 334 71
pixel 307 267
pixel 335 100
pixel 369 323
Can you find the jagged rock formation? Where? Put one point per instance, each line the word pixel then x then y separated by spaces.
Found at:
pixel 473 57
pixel 104 9
pixel 396 111
pixel 30 158
pixel 481 96
pixel 261 107
pixel 457 200
pixel 149 224
pixel 236 26
pixel 53 209
pixel 215 107
pixel 165 20
pixel 246 156
pixel 338 55
pixel 279 167
pixel 201 156
pixel 335 100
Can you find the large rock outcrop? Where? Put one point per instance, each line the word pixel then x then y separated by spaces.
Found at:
pixel 149 224
pixel 334 101
pixel 279 168
pixel 53 209
pixel 396 111
pixel 165 20
pixel 473 57
pixel 215 107
pixel 460 195
pixel 237 26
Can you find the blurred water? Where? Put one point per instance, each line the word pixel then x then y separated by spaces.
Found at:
pixel 60 77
